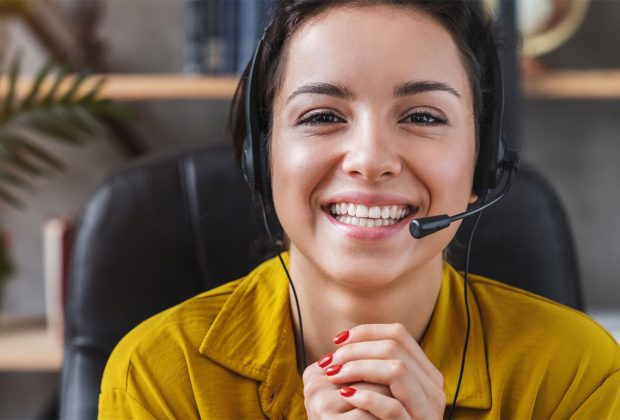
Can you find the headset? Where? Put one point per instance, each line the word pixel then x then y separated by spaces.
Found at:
pixel 494 161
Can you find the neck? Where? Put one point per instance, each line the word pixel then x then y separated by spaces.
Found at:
pixel 329 307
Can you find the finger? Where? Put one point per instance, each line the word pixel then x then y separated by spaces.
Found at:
pixel 382 349
pixel 321 397
pixel 312 371
pixel 398 333
pixel 416 394
pixel 390 350
pixel 376 404
pixel 369 386
pixel 357 414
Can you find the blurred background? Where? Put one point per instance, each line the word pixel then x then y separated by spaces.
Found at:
pixel 171 68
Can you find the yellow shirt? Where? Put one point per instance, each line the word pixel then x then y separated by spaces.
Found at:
pixel 229 353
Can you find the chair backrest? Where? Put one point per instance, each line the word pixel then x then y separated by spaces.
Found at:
pixel 525 240
pixel 162 231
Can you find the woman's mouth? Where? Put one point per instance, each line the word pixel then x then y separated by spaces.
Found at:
pixel 373 216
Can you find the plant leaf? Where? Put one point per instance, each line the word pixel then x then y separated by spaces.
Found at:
pixel 79 116
pixel 19 144
pixel 7 109
pixel 48 124
pixel 75 86
pixel 110 109
pixel 91 95
pixel 10 199
pixel 10 144
pixel 16 180
pixel 51 94
pixel 36 86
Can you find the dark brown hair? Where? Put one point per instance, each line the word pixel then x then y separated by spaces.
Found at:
pixel 470 26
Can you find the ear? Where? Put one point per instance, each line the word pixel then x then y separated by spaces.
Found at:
pixel 473 197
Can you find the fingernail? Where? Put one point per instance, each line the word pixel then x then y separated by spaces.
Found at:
pixel 341 337
pixel 326 360
pixel 332 370
pixel 347 391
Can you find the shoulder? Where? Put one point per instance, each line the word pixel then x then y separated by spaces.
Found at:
pixel 168 339
pixel 527 312
pixel 166 355
pixel 536 331
pixel 166 336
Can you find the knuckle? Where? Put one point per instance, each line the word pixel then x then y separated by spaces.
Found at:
pixel 345 353
pixel 441 399
pixel 392 349
pixel 320 405
pixel 311 388
pixel 365 399
pixel 399 330
pixel 393 410
pixel 307 373
pixel 399 369
pixel 439 379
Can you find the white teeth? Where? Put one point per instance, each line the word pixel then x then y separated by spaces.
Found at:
pixel 374 212
pixel 352 209
pixel 362 221
pixel 362 211
pixel 361 215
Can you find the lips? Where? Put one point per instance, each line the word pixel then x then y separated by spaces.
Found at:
pixel 368 216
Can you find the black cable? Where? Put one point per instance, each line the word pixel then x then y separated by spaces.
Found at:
pixel 288 276
pixel 466 297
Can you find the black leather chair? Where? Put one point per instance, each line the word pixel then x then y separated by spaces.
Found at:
pixel 162 231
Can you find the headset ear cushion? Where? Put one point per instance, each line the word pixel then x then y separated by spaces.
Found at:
pixel 247 164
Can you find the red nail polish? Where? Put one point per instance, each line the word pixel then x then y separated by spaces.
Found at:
pixel 347 391
pixel 326 360
pixel 332 370
pixel 341 337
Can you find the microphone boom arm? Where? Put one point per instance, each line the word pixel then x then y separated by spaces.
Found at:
pixel 419 228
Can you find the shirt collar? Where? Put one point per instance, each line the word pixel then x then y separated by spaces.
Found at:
pixel 444 339
pixel 258 344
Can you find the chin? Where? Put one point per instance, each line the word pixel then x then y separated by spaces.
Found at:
pixel 364 274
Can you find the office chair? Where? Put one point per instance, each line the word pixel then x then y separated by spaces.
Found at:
pixel 164 230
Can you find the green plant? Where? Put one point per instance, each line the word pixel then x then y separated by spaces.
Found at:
pixel 48 111
pixel 5 263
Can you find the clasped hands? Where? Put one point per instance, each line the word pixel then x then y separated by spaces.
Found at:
pixel 378 371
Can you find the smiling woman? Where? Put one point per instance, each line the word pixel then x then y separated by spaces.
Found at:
pixel 354 118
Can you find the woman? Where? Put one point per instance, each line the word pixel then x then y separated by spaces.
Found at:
pixel 374 111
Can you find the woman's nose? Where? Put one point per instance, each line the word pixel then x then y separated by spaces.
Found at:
pixel 372 155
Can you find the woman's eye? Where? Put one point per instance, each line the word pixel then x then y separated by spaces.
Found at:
pixel 424 118
pixel 319 118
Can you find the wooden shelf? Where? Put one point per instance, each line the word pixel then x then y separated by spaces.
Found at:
pixel 564 84
pixel 573 84
pixel 142 87
pixel 27 345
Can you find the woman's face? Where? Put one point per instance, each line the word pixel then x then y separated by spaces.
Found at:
pixel 373 119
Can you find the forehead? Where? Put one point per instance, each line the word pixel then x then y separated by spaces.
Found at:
pixel 370 49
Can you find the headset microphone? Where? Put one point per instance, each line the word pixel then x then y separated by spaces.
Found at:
pixel 419 228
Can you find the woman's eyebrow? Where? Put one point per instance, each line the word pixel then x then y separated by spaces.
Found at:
pixel 412 87
pixel 323 88
pixel 404 89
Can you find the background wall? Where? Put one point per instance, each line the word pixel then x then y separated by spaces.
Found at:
pixel 574 143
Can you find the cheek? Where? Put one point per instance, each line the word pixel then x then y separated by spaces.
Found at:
pixel 447 173
pixel 297 168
